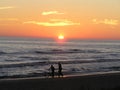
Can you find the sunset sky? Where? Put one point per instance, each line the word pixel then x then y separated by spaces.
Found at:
pixel 84 19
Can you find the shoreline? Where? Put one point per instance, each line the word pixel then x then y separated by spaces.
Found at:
pixel 109 81
pixel 65 76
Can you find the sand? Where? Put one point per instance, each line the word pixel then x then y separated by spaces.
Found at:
pixel 110 81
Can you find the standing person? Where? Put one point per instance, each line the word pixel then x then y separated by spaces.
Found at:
pixel 60 69
pixel 52 71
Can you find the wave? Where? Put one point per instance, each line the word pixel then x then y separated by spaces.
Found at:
pixel 34 58
pixel 22 64
pixel 42 63
pixel 14 52
pixel 113 68
pixel 1 53
pixel 23 75
pixel 53 51
pixel 61 51
pixel 70 71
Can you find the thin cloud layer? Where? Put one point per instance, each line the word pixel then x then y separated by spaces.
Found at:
pixel 8 19
pixel 53 22
pixel 8 7
pixel 51 13
pixel 106 21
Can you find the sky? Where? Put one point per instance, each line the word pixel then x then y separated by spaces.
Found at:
pixel 83 19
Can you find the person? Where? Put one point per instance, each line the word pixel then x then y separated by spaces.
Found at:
pixel 52 70
pixel 60 69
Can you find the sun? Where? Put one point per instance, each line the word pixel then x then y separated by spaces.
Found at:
pixel 61 37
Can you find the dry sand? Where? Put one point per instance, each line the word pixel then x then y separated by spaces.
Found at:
pixel 109 81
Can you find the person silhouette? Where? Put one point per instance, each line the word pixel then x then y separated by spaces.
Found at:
pixel 52 70
pixel 60 69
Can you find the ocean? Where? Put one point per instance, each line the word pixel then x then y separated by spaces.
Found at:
pixel 32 57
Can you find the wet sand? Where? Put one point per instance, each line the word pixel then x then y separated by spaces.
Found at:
pixel 110 81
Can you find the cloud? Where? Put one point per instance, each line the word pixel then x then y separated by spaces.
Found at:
pixel 106 21
pixel 51 13
pixel 53 22
pixel 8 7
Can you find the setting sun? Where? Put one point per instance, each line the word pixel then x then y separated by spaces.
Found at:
pixel 61 37
pixel 53 20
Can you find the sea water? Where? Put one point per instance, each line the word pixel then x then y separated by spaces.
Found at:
pixel 32 57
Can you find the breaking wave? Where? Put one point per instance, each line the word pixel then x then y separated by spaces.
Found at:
pixel 42 63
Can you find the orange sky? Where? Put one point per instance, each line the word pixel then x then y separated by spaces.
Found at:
pixel 84 19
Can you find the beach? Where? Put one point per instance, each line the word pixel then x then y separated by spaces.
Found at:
pixel 25 63
pixel 109 81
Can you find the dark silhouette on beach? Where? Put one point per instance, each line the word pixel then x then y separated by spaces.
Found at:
pixel 52 71
pixel 60 69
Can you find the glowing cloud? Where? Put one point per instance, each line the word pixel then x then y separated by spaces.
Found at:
pixel 8 7
pixel 51 13
pixel 54 22
pixel 106 21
